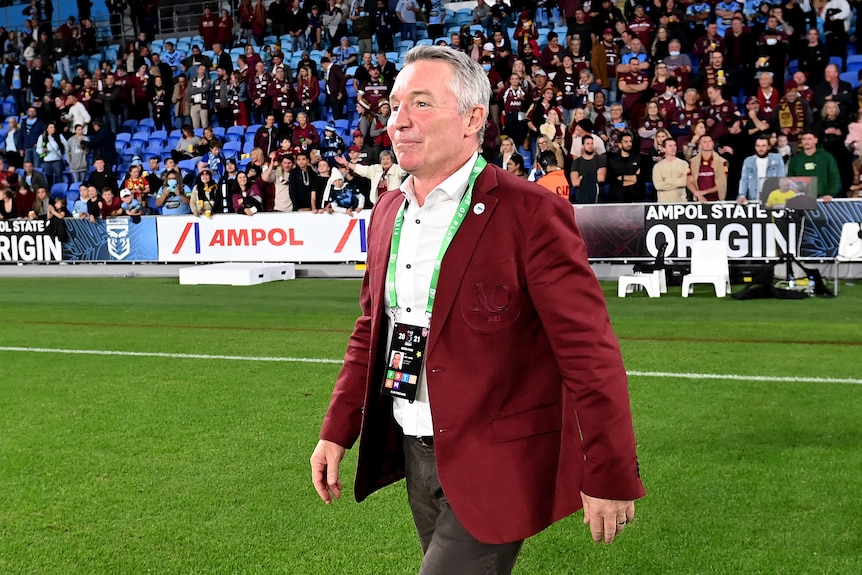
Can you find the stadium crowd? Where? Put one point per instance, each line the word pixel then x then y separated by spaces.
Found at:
pixel 284 107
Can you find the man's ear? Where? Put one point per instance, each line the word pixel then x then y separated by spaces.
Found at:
pixel 475 120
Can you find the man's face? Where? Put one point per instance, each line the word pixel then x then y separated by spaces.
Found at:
pixel 100 165
pixel 736 26
pixel 589 146
pixel 761 148
pixel 108 196
pixel 28 167
pixel 31 112
pixel 202 70
pixel 259 67
pixel 706 144
pixel 156 59
pixel 636 45
pixel 625 144
pixel 669 148
pixel 712 29
pixel 154 165
pixel 831 73
pixel 809 143
pixel 765 80
pixel 714 94
pixel 717 60
pixel 302 161
pixel 270 121
pixel 286 164
pixel 425 113
pixel 170 164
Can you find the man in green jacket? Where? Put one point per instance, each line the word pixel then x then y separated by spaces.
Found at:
pixel 812 161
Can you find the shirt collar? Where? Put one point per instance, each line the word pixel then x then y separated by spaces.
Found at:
pixel 454 186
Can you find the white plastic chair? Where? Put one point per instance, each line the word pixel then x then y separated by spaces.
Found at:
pixel 849 247
pixel 708 266
pixel 654 283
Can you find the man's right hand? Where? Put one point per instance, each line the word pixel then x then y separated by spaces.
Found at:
pixel 325 461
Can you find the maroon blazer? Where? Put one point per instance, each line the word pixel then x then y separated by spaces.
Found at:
pixel 527 387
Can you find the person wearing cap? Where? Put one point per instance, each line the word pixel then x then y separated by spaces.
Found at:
pixel 368 153
pixel 331 144
pixel 550 429
pixel 130 204
pixel 372 91
pixel 408 12
pixel 205 194
pixel 755 122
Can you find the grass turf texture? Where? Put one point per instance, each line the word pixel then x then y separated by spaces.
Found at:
pixel 156 465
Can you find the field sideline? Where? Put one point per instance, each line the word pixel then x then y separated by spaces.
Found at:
pixel 176 437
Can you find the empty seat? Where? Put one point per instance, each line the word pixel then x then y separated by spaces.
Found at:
pixel 709 265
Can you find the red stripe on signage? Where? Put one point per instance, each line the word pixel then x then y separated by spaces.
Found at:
pixel 183 237
pixel 346 236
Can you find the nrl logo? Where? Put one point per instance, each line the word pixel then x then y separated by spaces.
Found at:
pixel 119 245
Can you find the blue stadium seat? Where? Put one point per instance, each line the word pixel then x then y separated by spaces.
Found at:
pixel 252 130
pixel 159 135
pixel 836 60
pixel 232 149
pixel 10 107
pixel 248 146
pixel 188 166
pixel 852 77
pixel 219 132
pixel 130 126
pixel 342 125
pixel 72 196
pixel 147 124
pixel 59 190
pixel 235 133
pixel 172 142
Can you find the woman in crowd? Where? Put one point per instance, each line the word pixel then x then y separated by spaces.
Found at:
pixel 377 131
pixel 307 91
pixel 204 194
pixel 246 199
pixel 76 154
pixel 543 144
pixel 182 102
pixel 8 210
pixel 41 203
pixel 698 130
pixel 187 146
pixel 553 129
pixel 238 96
pixel 161 106
pixel 832 130
pixel 51 146
pixel 258 23
pixel 651 123
pixel 515 166
pixel 507 150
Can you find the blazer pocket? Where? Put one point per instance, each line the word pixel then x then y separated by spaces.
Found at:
pixel 534 421
pixel 491 296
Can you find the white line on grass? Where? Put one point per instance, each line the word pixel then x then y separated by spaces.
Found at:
pixel 169 355
pixel 632 373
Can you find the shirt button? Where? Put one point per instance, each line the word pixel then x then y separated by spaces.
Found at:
pixel 408 266
pixel 418 222
pixel 407 309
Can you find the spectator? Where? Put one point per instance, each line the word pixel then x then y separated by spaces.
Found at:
pixel 342 196
pixel 757 168
pixel 110 206
pixel 385 25
pixel 174 196
pixel 102 142
pixel 208 28
pixel 554 178
pixel 588 173
pixel 408 11
pixel 131 206
pixel 833 88
pixel 670 175
pixel 295 25
pixel 305 135
pixel 52 148
pixel 76 154
pixel 33 178
pixel 32 128
pixel 205 194
pixel 258 86
pixel 215 160
pixel 623 173
pixel 707 176
pixel 247 199
pixel 198 91
pixel 13 144
pixel 308 91
pixel 336 86
pixel 332 145
pixel 224 32
pixel 258 23
pixel 8 210
pixel 135 183
pixel 278 173
pixel 385 176
pixel 39 209
pixel 813 57
pixel 812 161
pixel 186 146
pixel 301 193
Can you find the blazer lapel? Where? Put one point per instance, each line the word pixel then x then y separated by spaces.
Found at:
pixel 461 250
pixel 384 220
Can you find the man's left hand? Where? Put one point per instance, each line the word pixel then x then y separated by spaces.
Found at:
pixel 606 517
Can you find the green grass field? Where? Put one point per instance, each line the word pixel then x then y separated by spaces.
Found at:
pixel 126 465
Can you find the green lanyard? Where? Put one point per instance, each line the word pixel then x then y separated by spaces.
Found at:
pixel 456 222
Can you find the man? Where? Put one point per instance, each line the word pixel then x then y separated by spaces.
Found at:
pixel 373 91
pixel 633 76
pixel 707 176
pixel 258 88
pixel 172 57
pixel 221 59
pixel 793 115
pixel 301 193
pixel 278 173
pixel 199 92
pixel 208 27
pixel 32 127
pixel 755 169
pixel 266 137
pixel 388 71
pixel 832 88
pixel 670 175
pixel 103 143
pixel 103 177
pixel 555 178
pixel 281 93
pixel 32 178
pixel 816 162
pixel 385 25
pixel 336 87
pixel 529 422
pixel 589 171
pixel 296 25
pixel 624 172
pixel 407 12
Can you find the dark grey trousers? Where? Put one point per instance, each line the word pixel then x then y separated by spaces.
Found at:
pixel 447 547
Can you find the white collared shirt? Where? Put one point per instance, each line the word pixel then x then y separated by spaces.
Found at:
pixel 421 236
